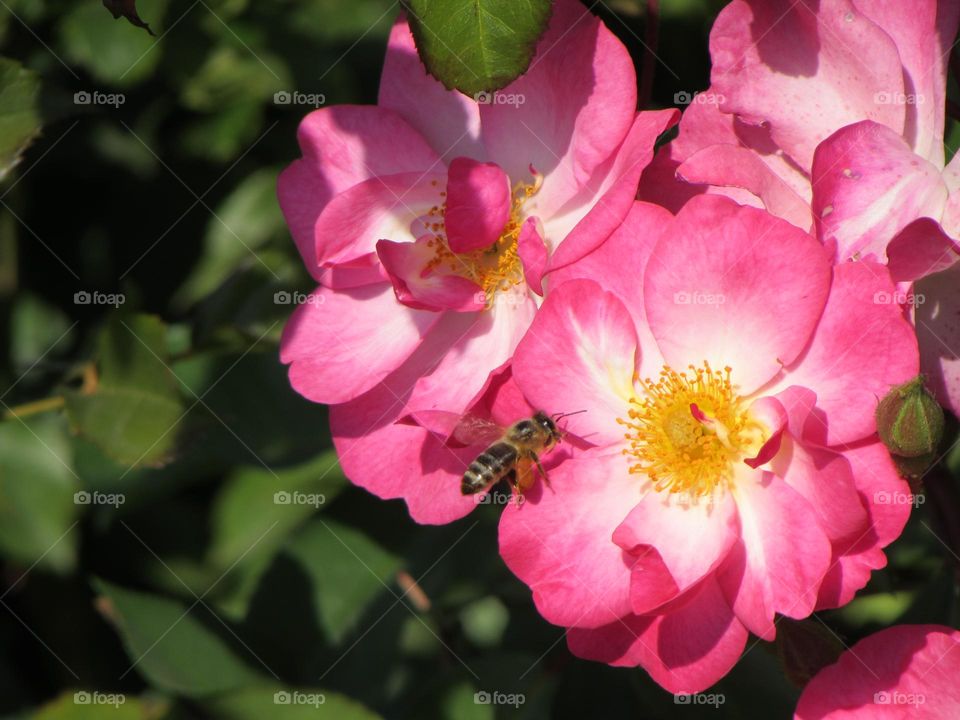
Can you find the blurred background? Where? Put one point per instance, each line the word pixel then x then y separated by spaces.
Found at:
pixel 176 539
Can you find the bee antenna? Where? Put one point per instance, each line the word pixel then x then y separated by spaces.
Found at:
pixel 563 415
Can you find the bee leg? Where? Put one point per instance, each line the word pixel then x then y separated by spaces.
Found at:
pixel 543 473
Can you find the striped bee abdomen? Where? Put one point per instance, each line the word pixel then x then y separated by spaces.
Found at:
pixel 490 466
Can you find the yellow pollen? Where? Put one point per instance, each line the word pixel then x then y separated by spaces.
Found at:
pixel 496 268
pixel 688 430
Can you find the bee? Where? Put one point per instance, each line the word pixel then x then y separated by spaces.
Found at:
pixel 511 452
pixel 514 454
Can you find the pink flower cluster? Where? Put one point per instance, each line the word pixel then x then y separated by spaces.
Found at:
pixel 724 340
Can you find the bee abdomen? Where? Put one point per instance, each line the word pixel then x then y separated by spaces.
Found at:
pixel 490 466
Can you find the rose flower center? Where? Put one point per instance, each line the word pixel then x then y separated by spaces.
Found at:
pixel 687 431
pixel 496 268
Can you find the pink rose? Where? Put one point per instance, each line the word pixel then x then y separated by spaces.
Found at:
pixel 907 671
pixel 729 377
pixel 831 115
pixel 430 222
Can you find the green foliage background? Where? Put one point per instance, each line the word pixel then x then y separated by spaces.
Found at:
pixel 199 596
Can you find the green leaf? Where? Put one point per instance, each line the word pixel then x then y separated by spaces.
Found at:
pixel 286 704
pixel 460 702
pixel 37 510
pixel 251 413
pixel 251 521
pixel 254 499
pixel 169 645
pixel 80 705
pixel 224 135
pixel 485 621
pixel 128 9
pixel 247 219
pixel 19 113
pixel 477 45
pixel 881 608
pixel 331 21
pixel 231 76
pixel 133 413
pixel 952 140
pixel 347 571
pixel 113 52
pixel 38 330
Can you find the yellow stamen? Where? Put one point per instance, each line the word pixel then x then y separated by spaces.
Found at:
pixel 689 431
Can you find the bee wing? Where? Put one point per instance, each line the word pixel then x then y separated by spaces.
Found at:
pixel 461 430
pixel 473 430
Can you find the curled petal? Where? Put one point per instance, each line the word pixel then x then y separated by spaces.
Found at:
pixel 867 186
pixel 418 286
pixel 478 204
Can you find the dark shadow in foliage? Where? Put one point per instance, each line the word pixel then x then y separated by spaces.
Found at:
pixel 62 612
pixel 250 413
pixel 281 623
pixel 282 628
